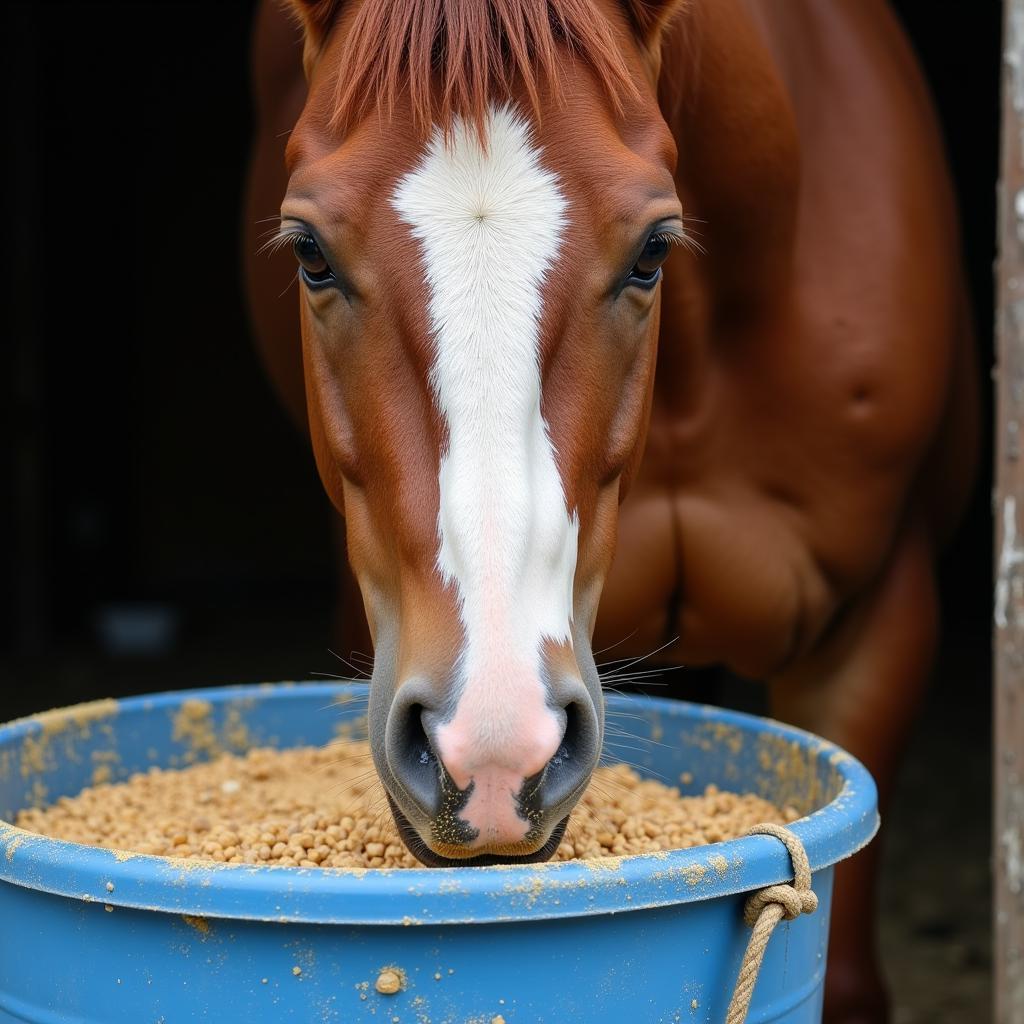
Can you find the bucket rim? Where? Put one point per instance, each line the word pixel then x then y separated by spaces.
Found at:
pixel 456 895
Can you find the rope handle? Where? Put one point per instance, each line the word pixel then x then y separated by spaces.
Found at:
pixel 763 911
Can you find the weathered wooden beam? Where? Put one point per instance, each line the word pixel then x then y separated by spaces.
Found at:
pixel 1008 633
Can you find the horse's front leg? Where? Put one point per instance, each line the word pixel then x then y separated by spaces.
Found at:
pixel 862 690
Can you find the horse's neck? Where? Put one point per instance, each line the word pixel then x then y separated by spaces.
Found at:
pixel 737 177
pixel 738 147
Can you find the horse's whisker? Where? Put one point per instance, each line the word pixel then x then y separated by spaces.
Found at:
pixel 616 644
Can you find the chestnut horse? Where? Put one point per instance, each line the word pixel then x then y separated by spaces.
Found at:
pixel 496 348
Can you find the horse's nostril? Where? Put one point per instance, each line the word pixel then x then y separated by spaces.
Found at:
pixel 572 763
pixel 417 738
pixel 412 759
pixel 573 730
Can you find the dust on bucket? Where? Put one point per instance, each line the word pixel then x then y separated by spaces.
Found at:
pixel 100 936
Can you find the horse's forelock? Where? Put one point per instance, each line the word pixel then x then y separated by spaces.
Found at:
pixel 454 58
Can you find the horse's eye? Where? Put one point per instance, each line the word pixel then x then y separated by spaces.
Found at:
pixel 313 267
pixel 647 270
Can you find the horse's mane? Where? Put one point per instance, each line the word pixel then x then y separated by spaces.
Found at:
pixel 454 56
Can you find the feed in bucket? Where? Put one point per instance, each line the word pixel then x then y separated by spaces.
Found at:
pixel 322 807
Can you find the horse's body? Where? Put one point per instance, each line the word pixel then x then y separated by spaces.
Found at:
pixel 812 424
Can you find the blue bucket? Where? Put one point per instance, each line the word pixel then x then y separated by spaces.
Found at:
pixel 94 936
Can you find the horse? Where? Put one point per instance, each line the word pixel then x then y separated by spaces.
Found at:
pixel 619 321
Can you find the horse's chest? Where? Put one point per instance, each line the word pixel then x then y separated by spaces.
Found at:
pixel 726 578
pixel 756 515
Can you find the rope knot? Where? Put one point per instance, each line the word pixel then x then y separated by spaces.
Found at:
pixel 793 902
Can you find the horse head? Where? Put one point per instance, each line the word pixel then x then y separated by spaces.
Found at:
pixel 481 198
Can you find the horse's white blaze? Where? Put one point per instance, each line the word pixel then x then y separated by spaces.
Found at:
pixel 489 222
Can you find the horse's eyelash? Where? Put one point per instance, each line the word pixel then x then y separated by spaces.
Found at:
pixel 679 236
pixel 672 237
pixel 280 237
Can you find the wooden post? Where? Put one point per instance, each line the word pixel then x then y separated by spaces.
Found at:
pixel 1008 634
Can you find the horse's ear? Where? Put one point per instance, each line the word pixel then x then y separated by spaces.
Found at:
pixel 650 20
pixel 316 18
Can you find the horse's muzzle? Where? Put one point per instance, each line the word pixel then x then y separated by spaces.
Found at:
pixel 500 814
